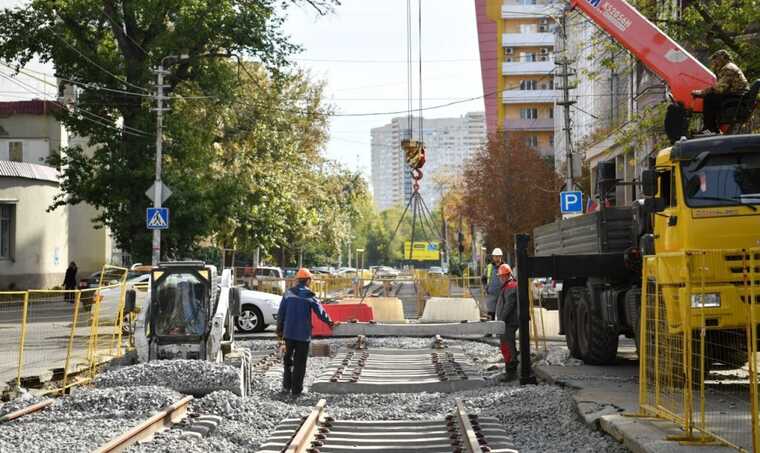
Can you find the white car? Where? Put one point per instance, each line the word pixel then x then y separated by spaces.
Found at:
pixel 386 272
pixel 257 310
pixel 269 279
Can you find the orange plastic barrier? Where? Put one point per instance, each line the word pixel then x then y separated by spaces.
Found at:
pixel 342 313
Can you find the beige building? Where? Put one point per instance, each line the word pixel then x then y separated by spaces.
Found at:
pixel 36 245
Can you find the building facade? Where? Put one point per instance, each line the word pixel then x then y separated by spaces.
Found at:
pixel 36 245
pixel 516 40
pixel 448 143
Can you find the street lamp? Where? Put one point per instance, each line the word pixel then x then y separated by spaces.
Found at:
pixel 157 184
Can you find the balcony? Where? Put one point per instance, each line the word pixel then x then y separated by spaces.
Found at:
pixel 519 124
pixel 527 67
pixel 529 96
pixel 528 39
pixel 518 11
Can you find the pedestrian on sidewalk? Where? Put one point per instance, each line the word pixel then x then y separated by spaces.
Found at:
pixel 294 327
pixel 507 312
pixel 492 283
pixel 70 281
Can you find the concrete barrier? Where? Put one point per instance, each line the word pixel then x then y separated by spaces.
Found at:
pixel 384 309
pixel 450 309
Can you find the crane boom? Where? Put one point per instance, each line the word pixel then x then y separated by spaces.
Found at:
pixel 672 63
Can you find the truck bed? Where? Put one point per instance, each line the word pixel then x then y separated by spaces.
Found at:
pixel 606 231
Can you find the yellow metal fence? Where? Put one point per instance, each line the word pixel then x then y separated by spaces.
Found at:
pixel 57 338
pixel 698 344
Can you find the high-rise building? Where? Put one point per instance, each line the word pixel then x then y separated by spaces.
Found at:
pixel 448 143
pixel 516 40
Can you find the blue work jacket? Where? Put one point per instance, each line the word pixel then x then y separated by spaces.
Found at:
pixel 294 315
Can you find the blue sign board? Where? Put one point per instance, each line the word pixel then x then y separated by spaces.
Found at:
pixel 157 218
pixel 571 202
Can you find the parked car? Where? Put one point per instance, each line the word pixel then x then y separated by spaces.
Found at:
pixel 436 271
pixel 110 298
pixel 346 272
pixel 269 279
pixel 289 272
pixel 257 310
pixel 549 296
pixel 386 272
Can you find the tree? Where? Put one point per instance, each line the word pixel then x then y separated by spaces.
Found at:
pixel 509 189
pixel 107 50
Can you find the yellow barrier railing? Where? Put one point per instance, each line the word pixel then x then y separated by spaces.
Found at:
pixel 91 321
pixel 698 344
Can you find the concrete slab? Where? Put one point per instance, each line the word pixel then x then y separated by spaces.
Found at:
pixel 451 329
pixel 647 435
pixel 450 309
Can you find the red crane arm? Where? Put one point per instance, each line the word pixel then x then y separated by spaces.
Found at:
pixel 672 63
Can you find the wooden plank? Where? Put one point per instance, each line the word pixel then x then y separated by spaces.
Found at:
pixel 27 410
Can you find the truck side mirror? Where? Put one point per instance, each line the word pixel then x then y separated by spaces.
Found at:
pixel 654 205
pixel 649 183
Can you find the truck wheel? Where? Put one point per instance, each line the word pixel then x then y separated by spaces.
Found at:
pixel 569 321
pixel 597 343
pixel 633 313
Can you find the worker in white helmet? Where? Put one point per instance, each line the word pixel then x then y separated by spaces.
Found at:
pixel 492 283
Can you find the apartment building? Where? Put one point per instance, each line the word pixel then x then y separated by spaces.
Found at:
pixel 516 39
pixel 449 142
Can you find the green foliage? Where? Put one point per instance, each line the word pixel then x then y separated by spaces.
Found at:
pixel 227 163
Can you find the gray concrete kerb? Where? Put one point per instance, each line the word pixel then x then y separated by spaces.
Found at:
pixel 649 435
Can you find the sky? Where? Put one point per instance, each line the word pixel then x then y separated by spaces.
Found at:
pixel 360 52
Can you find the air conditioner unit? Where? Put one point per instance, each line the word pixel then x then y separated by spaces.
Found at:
pixel 543 58
pixel 509 50
pixel 544 51
pixel 543 28
pixel 544 21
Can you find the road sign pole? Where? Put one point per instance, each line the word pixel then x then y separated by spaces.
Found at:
pixel 159 142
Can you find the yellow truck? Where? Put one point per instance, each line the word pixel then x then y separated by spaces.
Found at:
pixel 693 239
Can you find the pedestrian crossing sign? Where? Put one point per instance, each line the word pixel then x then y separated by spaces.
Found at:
pixel 157 218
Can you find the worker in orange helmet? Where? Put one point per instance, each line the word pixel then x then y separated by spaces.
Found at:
pixel 294 327
pixel 507 311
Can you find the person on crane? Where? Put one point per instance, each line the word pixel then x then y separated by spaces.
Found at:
pixel 507 312
pixel 731 84
pixel 294 327
pixel 491 282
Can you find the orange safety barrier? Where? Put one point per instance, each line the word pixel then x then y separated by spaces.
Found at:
pixel 342 313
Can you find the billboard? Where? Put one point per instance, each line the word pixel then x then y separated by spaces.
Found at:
pixel 423 251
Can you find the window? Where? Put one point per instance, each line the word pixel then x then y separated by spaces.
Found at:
pixel 532 141
pixel 551 141
pixel 528 114
pixel 528 84
pixel 527 57
pixel 16 151
pixel 528 28
pixel 551 113
pixel 6 230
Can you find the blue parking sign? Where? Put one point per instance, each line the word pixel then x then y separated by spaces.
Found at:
pixel 571 202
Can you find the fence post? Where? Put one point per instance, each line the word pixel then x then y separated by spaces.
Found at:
pixel 72 334
pixel 23 337
pixel 523 271
pixel 643 337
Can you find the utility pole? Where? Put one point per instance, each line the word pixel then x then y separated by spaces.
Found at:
pixel 564 62
pixel 157 201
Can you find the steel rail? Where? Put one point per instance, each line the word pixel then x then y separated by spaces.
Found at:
pixel 302 439
pixel 156 422
pixel 471 443
pixel 26 410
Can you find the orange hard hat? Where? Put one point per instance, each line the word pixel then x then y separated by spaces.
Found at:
pixel 303 273
pixel 504 269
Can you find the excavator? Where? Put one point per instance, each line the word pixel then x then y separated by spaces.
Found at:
pixel 189 314
pixel 680 70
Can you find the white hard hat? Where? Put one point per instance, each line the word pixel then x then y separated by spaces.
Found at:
pixel 497 252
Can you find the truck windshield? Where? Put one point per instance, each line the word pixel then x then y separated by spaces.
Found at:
pixel 180 305
pixel 723 180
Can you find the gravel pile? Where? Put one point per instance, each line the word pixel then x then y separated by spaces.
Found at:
pixel 19 403
pixel 184 376
pixel 84 420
